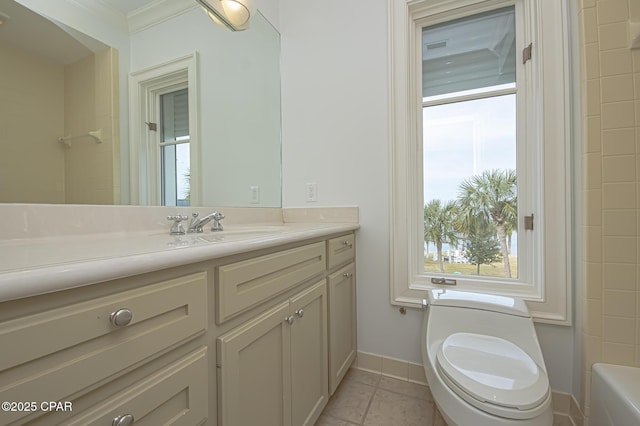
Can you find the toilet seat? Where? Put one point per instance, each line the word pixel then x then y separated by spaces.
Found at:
pixel 493 374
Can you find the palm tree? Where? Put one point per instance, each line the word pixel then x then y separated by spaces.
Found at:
pixel 439 225
pixel 492 197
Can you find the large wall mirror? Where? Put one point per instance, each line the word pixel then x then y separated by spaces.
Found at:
pixel 65 117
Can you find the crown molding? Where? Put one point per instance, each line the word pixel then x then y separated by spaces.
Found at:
pixel 106 13
pixel 157 12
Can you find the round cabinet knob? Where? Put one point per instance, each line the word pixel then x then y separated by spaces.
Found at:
pixel 346 243
pixel 300 313
pixel 289 319
pixel 124 420
pixel 121 317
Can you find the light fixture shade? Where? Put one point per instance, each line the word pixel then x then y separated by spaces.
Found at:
pixel 237 12
pixel 233 14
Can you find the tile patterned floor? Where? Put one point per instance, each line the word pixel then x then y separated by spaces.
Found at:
pixel 369 399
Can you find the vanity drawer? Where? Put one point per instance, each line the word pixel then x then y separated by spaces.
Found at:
pixel 242 285
pixel 175 395
pixel 340 250
pixel 59 352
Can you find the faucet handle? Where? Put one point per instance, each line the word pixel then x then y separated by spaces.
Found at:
pixel 177 228
pixel 217 226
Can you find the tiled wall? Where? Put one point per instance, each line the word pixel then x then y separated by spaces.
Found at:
pixel 31 121
pixel 42 102
pixel 92 170
pixel 610 81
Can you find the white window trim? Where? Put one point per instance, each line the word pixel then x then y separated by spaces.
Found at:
pixel 143 86
pixel 550 300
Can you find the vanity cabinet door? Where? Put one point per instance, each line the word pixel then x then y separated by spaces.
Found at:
pixel 254 371
pixel 342 323
pixel 273 370
pixel 309 355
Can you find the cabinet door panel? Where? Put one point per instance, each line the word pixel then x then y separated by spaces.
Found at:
pixel 176 395
pixel 254 376
pixel 309 359
pixel 342 323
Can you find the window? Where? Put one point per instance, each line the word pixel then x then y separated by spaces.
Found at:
pixel 174 148
pixel 164 143
pixel 469 144
pixel 489 125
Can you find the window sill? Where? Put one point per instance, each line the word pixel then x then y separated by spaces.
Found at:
pixel 413 296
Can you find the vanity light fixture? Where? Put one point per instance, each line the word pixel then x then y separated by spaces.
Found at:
pixel 233 14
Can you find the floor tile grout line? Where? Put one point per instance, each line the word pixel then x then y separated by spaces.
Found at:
pixel 377 386
pixel 373 395
pixel 341 419
pixel 393 391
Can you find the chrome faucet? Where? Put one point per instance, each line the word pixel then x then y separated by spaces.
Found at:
pixel 197 223
pixel 217 226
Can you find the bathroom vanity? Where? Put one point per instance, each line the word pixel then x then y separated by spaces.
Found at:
pixel 252 325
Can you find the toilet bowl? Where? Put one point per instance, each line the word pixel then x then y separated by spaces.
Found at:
pixel 482 360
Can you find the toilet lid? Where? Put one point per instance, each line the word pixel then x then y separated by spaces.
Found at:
pixel 492 370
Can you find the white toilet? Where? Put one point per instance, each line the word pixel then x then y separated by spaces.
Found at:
pixel 482 360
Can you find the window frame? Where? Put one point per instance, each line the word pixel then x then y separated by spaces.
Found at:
pixel 547 120
pixel 145 88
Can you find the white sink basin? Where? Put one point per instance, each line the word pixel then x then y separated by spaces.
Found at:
pixel 231 233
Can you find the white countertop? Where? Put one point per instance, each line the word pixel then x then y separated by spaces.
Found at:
pixel 41 265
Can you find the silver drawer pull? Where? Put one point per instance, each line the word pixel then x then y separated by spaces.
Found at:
pixel 347 243
pixel 347 274
pixel 121 317
pixel 300 313
pixel 289 319
pixel 124 420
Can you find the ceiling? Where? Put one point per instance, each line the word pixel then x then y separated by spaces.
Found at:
pixel 29 32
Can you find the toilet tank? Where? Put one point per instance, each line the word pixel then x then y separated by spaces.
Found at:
pixel 615 395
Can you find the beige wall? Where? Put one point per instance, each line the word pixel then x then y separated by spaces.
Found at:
pixel 31 121
pixel 610 79
pixel 42 102
pixel 91 102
